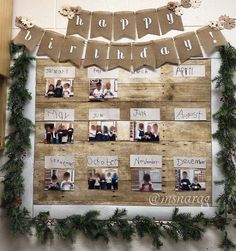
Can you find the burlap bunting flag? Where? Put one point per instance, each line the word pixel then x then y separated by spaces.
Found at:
pixel 147 22
pixel 29 38
pixel 143 55
pixel 120 56
pixel 210 38
pixel 96 54
pixel 188 46
pixel 51 45
pixel 101 24
pixel 72 50
pixel 80 24
pixel 124 25
pixel 169 21
pixel 165 52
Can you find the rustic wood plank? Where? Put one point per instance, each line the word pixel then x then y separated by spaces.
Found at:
pixel 178 138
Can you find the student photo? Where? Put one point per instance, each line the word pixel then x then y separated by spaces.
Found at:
pixel 190 179
pixel 59 179
pixel 103 179
pixel 144 131
pixel 102 131
pixel 102 89
pixel 146 180
pixel 58 133
pixel 59 88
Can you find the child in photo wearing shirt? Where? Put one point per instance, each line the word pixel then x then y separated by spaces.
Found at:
pixel 112 133
pixel 140 132
pixel 185 183
pixel 92 133
pixel 147 184
pixel 51 91
pixel 98 93
pixel 99 135
pixel 58 89
pixel 148 134
pixel 114 181
pixel 107 93
pixel 106 136
pixel 54 185
pixel 109 181
pixel 195 186
pixel 155 133
pixel 97 181
pixel 70 132
pixel 66 90
pixel 66 184
pixel 103 183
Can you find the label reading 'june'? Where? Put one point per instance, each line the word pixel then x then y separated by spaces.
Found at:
pixel 104 114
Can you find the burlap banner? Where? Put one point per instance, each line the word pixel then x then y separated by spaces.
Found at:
pixel 187 46
pixel 79 24
pixel 165 52
pixel 129 56
pixel 30 38
pixel 124 25
pixel 96 54
pixel 51 45
pixel 169 21
pixel 210 38
pixel 101 25
pixel 72 50
pixel 143 55
pixel 147 22
pixel 120 56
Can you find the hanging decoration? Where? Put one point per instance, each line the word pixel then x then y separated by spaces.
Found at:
pixel 109 55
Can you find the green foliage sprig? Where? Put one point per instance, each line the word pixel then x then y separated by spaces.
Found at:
pixel 182 226
pixel 226 136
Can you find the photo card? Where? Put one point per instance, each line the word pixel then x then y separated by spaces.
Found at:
pixel 190 179
pixel 146 180
pixel 59 179
pixel 58 133
pixel 145 131
pixel 59 87
pixel 103 178
pixel 102 131
pixel 103 89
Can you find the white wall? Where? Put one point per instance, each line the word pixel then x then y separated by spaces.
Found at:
pixel 45 14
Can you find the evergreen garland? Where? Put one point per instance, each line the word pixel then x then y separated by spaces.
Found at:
pixel 183 226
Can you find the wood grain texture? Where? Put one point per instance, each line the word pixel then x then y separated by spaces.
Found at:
pixel 177 138
pixel 5 35
pixel 2 111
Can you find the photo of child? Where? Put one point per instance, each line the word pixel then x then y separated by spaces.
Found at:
pixel 58 133
pixel 102 131
pixel 146 180
pixel 100 89
pixel 145 131
pixel 103 178
pixel 190 180
pixel 59 179
pixel 59 88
